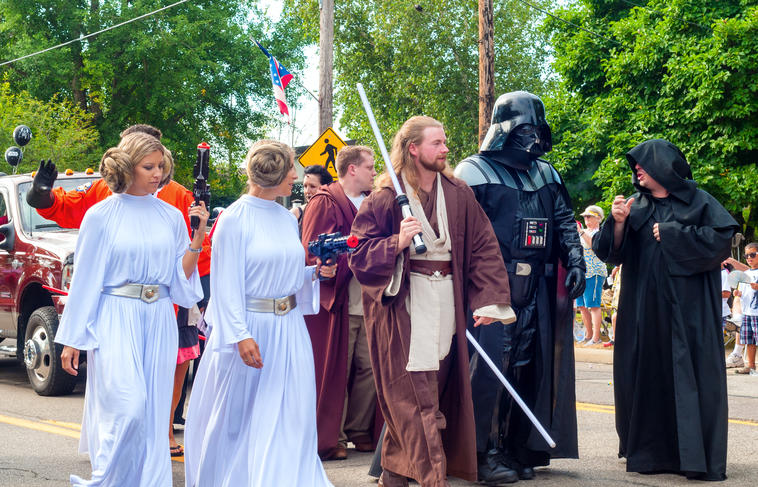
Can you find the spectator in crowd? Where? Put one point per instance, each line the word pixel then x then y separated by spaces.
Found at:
pixel 735 360
pixel 314 177
pixel 589 303
pixel 748 294
pixel 616 292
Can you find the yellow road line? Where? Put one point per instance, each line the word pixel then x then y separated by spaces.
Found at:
pixel 63 424
pixel 61 428
pixel 604 408
pixel 34 425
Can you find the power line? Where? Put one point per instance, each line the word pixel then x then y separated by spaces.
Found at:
pixel 95 33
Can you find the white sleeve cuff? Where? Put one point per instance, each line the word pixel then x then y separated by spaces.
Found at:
pixel 397 277
pixel 501 312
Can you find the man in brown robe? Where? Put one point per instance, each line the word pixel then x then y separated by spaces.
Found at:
pixel 346 396
pixel 417 338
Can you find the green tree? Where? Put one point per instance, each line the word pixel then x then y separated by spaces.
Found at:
pixel 424 62
pixel 682 70
pixel 60 129
pixel 193 70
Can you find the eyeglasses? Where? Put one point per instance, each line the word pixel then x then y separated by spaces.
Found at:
pixel 751 255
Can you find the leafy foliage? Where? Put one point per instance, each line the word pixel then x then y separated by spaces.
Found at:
pixel 414 63
pixel 193 70
pixel 682 70
pixel 61 131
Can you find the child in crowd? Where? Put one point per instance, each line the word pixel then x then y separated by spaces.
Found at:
pixel 748 293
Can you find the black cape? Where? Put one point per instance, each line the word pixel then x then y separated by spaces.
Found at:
pixel 669 375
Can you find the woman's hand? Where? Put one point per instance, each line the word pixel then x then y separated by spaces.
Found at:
pixel 249 353
pixel 326 271
pixel 201 212
pixel 70 360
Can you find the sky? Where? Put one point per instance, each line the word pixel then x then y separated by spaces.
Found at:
pixel 305 118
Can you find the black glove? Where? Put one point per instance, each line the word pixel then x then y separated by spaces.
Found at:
pixel 575 282
pixel 40 196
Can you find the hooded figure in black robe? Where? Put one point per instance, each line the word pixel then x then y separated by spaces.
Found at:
pixel 668 364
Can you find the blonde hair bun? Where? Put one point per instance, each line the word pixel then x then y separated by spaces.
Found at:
pixel 116 168
pixel 268 162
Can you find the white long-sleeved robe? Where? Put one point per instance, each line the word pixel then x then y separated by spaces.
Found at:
pixel 131 345
pixel 245 426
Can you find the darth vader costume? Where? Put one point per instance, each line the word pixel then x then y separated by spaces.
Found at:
pixel 668 362
pixel 531 213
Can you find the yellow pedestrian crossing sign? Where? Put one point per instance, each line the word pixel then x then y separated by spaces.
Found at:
pixel 323 152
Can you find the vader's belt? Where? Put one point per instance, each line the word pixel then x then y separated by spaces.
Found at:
pixel 529 268
pixel 148 293
pixel 278 306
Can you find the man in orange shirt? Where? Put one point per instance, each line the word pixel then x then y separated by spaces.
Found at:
pixel 67 209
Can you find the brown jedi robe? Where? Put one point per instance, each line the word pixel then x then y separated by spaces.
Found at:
pixel 331 211
pixel 479 279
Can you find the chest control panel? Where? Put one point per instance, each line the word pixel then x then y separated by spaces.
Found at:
pixel 534 233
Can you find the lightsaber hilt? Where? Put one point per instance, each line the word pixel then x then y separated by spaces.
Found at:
pixel 511 390
pixel 405 208
pixel 401 198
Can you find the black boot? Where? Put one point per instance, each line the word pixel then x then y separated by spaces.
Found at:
pixel 491 470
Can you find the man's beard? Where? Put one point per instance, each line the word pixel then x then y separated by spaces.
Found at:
pixel 435 165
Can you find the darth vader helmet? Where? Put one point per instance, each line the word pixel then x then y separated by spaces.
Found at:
pixel 518 124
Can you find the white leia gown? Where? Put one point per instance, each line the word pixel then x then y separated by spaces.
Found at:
pixel 131 345
pixel 249 427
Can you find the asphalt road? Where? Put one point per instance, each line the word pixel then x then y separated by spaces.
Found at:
pixel 38 437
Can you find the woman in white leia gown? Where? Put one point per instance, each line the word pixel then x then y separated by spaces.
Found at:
pixel 133 259
pixel 252 413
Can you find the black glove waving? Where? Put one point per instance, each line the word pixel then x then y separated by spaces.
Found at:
pixel 40 195
pixel 575 282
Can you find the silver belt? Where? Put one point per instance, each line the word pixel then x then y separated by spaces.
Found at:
pixel 146 292
pixel 279 306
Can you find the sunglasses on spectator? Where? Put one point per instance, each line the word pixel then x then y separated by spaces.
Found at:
pixel 751 255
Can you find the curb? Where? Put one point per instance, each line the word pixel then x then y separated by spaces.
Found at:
pixel 593 355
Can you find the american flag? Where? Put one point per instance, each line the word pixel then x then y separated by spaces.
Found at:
pixel 280 78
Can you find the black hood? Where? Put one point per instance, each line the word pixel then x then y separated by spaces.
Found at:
pixel 665 163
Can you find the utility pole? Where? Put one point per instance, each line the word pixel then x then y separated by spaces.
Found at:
pixel 486 67
pixel 325 65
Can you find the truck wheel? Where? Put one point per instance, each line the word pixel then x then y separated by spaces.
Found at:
pixel 42 356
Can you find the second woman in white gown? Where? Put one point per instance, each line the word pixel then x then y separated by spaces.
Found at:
pixel 252 413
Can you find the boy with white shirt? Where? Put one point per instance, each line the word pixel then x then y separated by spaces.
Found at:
pixel 748 294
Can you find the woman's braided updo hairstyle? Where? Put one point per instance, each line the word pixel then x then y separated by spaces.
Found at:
pixel 268 163
pixel 118 163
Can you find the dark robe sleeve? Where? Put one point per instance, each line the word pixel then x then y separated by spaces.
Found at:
pixel 603 243
pixel 692 249
pixel 487 278
pixel 323 217
pixel 376 226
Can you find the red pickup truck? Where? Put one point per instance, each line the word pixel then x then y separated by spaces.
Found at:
pixel 36 265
